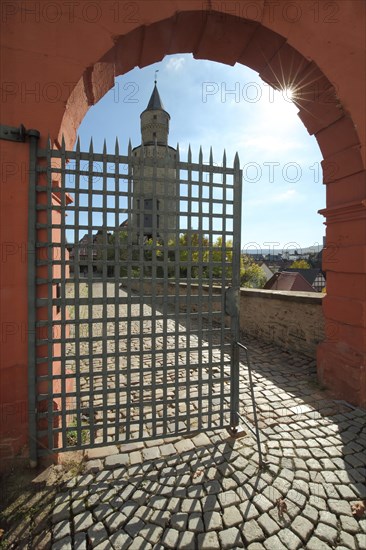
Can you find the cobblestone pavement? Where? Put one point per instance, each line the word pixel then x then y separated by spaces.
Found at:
pixel 207 491
pixel 187 377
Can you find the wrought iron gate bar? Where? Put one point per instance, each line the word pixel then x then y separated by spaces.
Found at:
pixel 61 304
pixel 112 159
pixel 116 282
pixel 124 351
pixel 32 317
pixel 112 320
pixel 107 301
pixel 47 404
pixel 236 289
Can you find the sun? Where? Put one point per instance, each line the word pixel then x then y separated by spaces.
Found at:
pixel 279 110
pixel 288 94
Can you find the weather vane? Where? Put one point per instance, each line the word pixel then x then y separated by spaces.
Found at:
pixel 156 75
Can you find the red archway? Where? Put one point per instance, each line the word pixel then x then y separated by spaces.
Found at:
pixel 221 38
pixel 51 86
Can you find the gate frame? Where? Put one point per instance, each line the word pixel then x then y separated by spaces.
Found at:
pixel 230 296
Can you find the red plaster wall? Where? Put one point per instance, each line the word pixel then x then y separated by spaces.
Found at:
pixel 59 58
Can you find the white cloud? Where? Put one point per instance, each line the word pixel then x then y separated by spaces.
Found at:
pixel 288 195
pixel 175 63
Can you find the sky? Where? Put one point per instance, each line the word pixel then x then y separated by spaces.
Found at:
pixel 215 105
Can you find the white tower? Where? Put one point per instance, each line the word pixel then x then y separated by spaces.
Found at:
pixel 155 189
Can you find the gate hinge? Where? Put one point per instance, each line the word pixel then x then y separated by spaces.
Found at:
pixel 11 133
pixel 232 305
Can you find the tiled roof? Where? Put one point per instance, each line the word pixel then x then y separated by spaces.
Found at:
pixel 285 280
pixel 309 274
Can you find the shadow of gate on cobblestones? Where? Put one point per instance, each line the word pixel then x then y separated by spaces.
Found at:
pixel 206 491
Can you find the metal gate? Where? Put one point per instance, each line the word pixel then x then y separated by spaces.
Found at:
pixel 137 287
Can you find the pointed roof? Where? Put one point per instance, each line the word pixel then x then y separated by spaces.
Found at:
pixel 284 280
pixel 155 102
pixel 309 274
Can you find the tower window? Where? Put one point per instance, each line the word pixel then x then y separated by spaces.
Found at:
pixel 155 117
pixel 154 134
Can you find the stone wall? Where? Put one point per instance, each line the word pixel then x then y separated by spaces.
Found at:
pixel 291 320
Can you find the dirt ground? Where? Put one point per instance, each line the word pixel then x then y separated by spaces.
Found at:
pixel 26 501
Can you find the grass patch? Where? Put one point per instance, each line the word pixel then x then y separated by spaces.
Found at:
pixel 72 434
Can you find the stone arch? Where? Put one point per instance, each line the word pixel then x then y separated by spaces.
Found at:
pixel 228 39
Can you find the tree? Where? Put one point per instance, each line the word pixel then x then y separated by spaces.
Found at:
pixel 253 275
pixel 300 264
pixel 118 243
pixel 221 256
pixel 221 247
pixel 193 249
pixel 198 259
pixel 195 255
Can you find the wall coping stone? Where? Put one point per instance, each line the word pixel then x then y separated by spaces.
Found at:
pixel 287 295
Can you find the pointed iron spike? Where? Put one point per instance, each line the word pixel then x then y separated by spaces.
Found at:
pixel 104 147
pixel 211 156
pixel 236 160
pixel 63 142
pixel 78 144
pixel 189 154
pixel 91 147
pixel 200 156
pixel 129 147
pixel 116 147
pixel 224 158
pixel 177 154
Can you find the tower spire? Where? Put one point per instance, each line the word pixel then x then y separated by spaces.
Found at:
pixel 155 100
pixel 155 119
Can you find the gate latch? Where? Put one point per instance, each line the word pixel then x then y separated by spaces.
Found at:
pixel 232 301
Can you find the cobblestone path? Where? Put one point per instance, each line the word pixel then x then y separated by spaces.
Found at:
pixel 206 491
pixel 145 379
